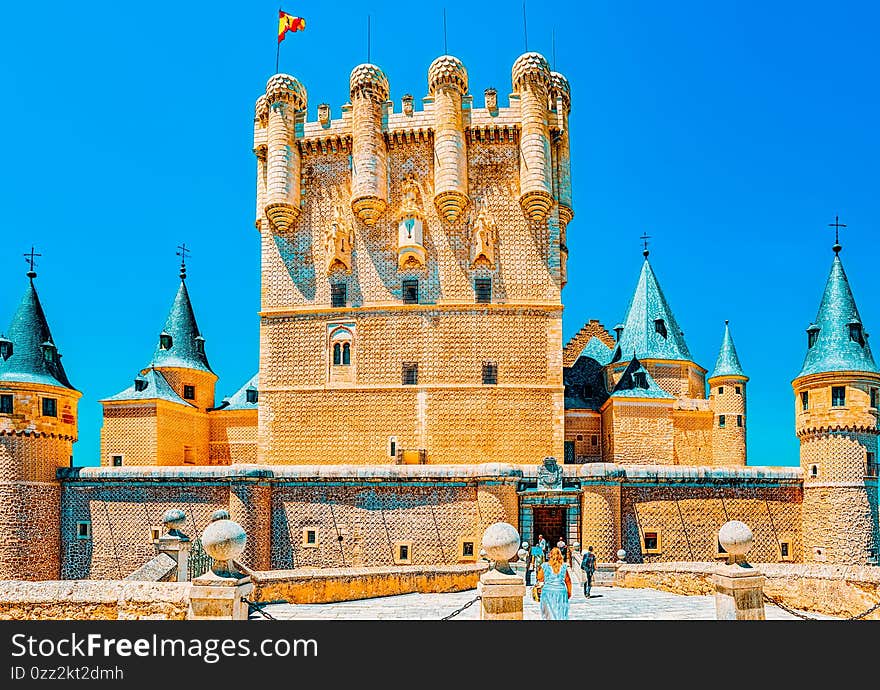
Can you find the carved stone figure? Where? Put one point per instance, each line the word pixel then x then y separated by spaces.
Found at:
pixel 484 239
pixel 410 230
pixel 338 242
pixel 549 474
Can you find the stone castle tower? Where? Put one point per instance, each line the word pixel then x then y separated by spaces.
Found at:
pixel 837 395
pixel 162 418
pixel 727 391
pixel 38 426
pixel 412 267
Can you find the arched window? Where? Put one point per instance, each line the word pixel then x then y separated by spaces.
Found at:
pixel 341 344
pixel 337 358
pixel 346 353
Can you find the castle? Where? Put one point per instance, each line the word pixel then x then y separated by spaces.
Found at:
pixel 413 386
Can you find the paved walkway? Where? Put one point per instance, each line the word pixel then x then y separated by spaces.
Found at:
pixel 606 603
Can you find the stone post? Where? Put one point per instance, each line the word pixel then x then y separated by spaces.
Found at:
pixel 218 594
pixel 501 590
pixel 175 543
pixel 739 588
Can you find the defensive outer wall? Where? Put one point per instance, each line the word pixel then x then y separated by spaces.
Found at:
pixel 355 516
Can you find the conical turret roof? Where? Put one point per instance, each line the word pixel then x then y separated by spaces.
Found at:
pixel 34 358
pixel 636 382
pixel 643 332
pixel 834 348
pixel 187 348
pixel 727 363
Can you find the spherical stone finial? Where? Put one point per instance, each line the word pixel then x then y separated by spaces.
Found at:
pixel 173 518
pixel 621 555
pixel 283 87
pixel 501 542
pixel 261 109
pixel 560 88
pixel 447 70
pixel 531 67
pixel 220 515
pixel 736 538
pixel 370 80
pixel 224 540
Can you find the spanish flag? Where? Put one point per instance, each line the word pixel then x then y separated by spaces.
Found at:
pixel 287 22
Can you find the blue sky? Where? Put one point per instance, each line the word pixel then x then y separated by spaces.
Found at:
pixel 731 132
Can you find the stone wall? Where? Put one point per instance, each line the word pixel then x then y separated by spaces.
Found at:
pixel 833 590
pixel 309 586
pixel 93 600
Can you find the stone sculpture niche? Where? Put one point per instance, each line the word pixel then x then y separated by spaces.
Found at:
pixel 411 252
pixel 338 242
pixel 483 239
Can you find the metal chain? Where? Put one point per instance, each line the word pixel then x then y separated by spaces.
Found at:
pixel 254 606
pixel 808 618
pixel 459 610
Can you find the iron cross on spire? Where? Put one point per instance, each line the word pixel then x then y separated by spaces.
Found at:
pixel 836 225
pixel 30 257
pixel 182 252
pixel 644 238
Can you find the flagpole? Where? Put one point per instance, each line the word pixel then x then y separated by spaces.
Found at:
pixel 278 47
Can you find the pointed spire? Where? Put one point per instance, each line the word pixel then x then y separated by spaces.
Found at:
pixel 727 363
pixel 180 343
pixel 650 328
pixel 34 358
pixel 837 337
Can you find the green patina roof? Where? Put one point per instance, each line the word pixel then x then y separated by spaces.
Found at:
pixel 238 401
pixel 597 350
pixel 181 326
pixel 639 330
pixel 727 363
pixel 156 388
pixel 628 388
pixel 28 332
pixel 834 350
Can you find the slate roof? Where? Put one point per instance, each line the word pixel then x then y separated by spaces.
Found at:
pixel 639 328
pixel 834 350
pixel 28 332
pixel 156 388
pixel 627 386
pixel 181 326
pixel 596 349
pixel 238 400
pixel 727 363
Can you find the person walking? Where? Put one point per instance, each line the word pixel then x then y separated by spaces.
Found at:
pixel 555 587
pixel 562 549
pixel 530 563
pixel 543 544
pixel 588 565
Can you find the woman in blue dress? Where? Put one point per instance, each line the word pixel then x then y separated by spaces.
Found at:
pixel 556 589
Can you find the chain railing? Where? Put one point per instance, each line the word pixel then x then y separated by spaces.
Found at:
pixel 803 616
pixel 461 608
pixel 258 607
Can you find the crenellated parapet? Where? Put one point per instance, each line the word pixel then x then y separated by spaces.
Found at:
pixel 448 84
pixel 369 90
pixel 531 80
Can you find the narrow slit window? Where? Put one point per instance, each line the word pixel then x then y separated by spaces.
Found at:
pixel 874 397
pixel 346 354
pixel 805 401
pixel 722 421
pixel 739 420
pixel 337 354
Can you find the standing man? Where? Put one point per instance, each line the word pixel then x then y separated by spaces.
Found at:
pixel 530 559
pixel 543 544
pixel 588 565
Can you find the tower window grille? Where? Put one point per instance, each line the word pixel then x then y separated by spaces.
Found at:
pixel 410 374
pixel 490 373
pixel 838 396
pixel 410 291
pixel 5 404
pixel 189 392
pixel 338 295
pixel 50 407
pixel 483 290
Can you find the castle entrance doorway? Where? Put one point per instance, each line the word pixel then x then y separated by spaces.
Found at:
pixel 551 521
